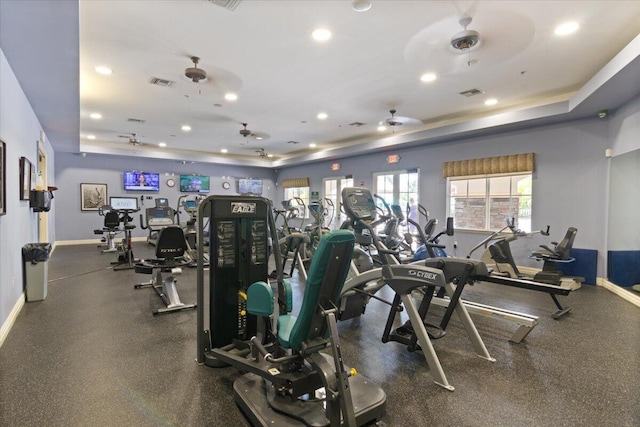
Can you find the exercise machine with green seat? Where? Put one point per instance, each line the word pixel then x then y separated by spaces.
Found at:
pixel 287 373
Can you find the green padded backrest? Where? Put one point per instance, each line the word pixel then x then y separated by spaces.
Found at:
pixel 327 273
pixel 288 295
pixel 260 299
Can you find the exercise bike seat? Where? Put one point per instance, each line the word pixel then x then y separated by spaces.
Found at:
pixel 561 252
pixel 111 223
pixel 170 250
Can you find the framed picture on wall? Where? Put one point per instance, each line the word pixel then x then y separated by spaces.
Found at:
pixel 25 178
pixel 92 196
pixel 3 178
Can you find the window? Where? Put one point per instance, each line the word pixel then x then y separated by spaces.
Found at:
pixel 302 193
pixel 399 188
pixel 485 203
pixel 333 191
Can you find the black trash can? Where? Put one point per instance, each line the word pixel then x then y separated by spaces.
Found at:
pixel 36 272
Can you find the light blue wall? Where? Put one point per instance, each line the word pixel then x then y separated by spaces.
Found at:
pixel 624 202
pixel 625 128
pixel 20 130
pixel 73 169
pixel 569 189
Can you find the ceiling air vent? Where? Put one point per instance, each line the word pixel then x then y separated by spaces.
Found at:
pixel 472 92
pixel 227 4
pixel 135 120
pixel 161 82
pixel 292 142
pixel 356 124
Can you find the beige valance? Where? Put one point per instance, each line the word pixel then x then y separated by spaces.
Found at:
pixel 514 163
pixel 295 182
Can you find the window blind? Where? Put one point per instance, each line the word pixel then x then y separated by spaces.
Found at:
pixel 295 182
pixel 514 163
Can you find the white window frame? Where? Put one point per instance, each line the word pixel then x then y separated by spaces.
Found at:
pixel 301 192
pixel 396 192
pixel 522 222
pixel 341 182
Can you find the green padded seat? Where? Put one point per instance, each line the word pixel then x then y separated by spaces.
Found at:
pixel 292 330
pixel 260 299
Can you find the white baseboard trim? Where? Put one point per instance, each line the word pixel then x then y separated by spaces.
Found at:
pixel 630 296
pixel 91 241
pixel 8 324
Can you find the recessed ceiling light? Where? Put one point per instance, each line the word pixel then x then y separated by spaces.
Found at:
pixel 105 71
pixel 258 137
pixel 322 116
pixel 313 145
pixel 224 150
pixel 491 101
pixel 428 77
pixel 91 137
pixel 186 128
pixel 162 144
pixel 382 128
pixel 269 155
pixel 321 35
pixel 361 5
pixel 231 96
pixel 95 116
pixel 566 28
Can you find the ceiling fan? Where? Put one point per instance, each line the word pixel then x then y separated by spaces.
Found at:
pixel 194 73
pixel 262 153
pixel 133 140
pixel 248 133
pixel 395 121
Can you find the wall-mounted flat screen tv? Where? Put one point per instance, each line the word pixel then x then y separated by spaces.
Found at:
pixel 250 186
pixel 141 181
pixel 194 184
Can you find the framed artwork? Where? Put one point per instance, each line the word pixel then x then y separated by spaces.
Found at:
pixel 25 178
pixel 92 196
pixel 3 178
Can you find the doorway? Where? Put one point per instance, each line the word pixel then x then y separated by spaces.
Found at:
pixel 43 218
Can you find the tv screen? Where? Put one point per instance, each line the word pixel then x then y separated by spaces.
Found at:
pixel 141 181
pixel 250 186
pixel 194 184
pixel 124 203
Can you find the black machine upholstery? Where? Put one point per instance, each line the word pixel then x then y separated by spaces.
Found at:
pixel 111 220
pixel 169 259
pixel 171 243
pixel 111 223
pixel 562 250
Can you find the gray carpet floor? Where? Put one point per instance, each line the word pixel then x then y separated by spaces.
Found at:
pixel 93 354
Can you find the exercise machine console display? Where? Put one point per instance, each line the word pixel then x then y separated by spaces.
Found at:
pixel 359 204
pixel 124 204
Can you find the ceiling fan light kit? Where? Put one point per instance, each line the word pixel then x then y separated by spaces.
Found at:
pixel 466 39
pixel 361 5
pixel 194 73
